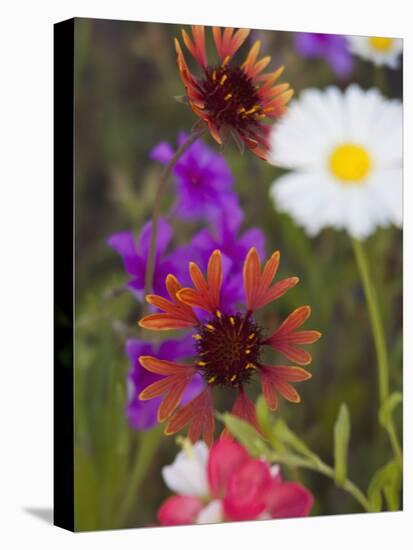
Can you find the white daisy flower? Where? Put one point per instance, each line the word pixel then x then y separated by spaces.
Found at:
pixel 345 150
pixel 380 50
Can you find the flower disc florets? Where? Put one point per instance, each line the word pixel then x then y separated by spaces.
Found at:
pixel 229 349
pixel 231 97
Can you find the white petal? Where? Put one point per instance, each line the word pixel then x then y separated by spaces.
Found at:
pixel 386 140
pixel 305 135
pixel 358 210
pixel 388 191
pixel 187 475
pixel 309 197
pixel 212 513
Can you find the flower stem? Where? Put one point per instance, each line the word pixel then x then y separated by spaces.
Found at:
pixel 379 341
pixel 150 266
pixel 380 78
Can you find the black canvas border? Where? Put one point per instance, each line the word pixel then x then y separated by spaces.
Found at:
pixel 63 247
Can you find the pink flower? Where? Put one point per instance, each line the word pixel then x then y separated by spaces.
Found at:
pixel 226 484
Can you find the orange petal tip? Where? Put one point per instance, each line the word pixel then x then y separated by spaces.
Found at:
pixel 141 396
pixel 143 359
pixel 161 417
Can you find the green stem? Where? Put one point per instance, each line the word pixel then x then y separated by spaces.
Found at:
pixel 323 468
pixel 148 444
pixel 380 78
pixel 379 341
pixel 150 266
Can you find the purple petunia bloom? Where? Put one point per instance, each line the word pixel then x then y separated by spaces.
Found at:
pixel 135 254
pixel 331 47
pixel 142 415
pixel 203 181
pixel 225 236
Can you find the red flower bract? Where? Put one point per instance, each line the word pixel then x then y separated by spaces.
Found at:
pixel 232 99
pixel 229 346
pixel 239 488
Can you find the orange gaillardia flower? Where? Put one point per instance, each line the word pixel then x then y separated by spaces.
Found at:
pixel 233 99
pixel 229 346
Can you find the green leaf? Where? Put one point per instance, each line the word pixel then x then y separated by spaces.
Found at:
pixel 386 410
pixel 263 415
pixel 246 434
pixel 386 481
pixel 341 440
pixel 283 433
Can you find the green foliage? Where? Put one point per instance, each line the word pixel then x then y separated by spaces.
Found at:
pixel 386 410
pixel 341 440
pixel 385 483
pixel 245 433
pixel 283 433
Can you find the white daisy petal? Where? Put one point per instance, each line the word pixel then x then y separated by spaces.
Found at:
pixel 388 188
pixel 345 150
pixel 307 197
pixel 387 134
pixel 187 474
pixel 294 142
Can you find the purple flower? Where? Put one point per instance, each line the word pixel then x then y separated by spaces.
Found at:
pixel 142 415
pixel 234 247
pixel 135 254
pixel 203 181
pixel 331 47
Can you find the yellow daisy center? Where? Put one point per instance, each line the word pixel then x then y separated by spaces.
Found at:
pixel 380 43
pixel 350 163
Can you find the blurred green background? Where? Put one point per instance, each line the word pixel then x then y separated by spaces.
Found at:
pixel 126 78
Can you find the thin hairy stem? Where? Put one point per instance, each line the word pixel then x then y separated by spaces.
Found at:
pixel 150 266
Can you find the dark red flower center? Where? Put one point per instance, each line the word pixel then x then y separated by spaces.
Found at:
pixel 230 96
pixel 229 348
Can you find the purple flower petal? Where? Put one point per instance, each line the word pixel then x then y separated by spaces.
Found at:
pixel 234 249
pixel 340 61
pixel 163 237
pixel 162 152
pixel 253 237
pixel 331 47
pixel 203 181
pixel 135 257
pixel 124 244
pixel 176 349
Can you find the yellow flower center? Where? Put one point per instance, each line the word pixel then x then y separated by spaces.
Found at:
pixel 350 163
pixel 380 43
